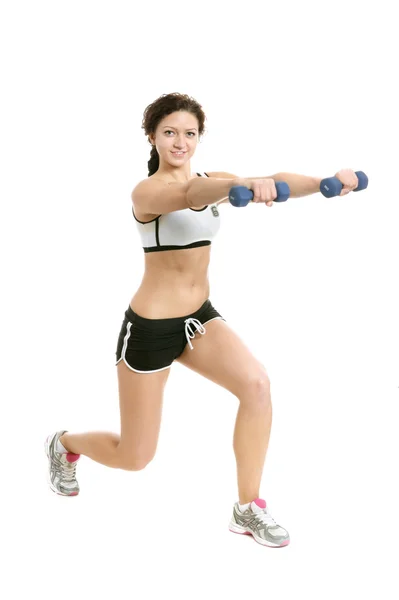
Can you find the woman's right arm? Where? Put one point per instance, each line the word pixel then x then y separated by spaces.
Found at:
pixel 202 191
pixel 153 196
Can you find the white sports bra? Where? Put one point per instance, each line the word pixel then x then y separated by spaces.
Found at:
pixel 180 229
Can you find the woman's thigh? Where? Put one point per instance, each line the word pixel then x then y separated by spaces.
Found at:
pixel 140 402
pixel 144 354
pixel 221 356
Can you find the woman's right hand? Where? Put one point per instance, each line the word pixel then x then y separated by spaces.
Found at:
pixel 264 190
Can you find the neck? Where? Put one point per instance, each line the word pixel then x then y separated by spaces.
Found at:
pixel 178 174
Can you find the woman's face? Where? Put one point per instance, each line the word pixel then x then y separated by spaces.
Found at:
pixel 176 138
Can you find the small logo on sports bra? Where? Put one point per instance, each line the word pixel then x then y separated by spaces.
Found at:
pixel 215 211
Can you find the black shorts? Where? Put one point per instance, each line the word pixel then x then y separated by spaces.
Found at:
pixel 149 345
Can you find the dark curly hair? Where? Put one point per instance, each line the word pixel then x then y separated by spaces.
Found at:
pixel 162 107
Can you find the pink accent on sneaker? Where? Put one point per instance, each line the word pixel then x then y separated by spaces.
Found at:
pixel 72 457
pixel 260 503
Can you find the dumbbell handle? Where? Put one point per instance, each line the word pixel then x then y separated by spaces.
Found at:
pixel 331 186
pixel 240 195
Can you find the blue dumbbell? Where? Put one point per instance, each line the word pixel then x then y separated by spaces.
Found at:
pixel 331 186
pixel 240 195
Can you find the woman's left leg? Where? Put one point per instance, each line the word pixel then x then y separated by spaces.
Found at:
pixel 222 357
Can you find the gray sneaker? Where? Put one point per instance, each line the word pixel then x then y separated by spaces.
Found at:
pixel 61 475
pixel 257 521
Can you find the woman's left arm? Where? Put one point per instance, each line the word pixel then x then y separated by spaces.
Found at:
pixel 303 185
pixel 300 185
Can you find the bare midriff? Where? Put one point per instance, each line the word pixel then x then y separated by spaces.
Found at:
pixel 175 283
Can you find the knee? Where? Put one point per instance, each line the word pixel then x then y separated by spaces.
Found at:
pixel 133 464
pixel 257 390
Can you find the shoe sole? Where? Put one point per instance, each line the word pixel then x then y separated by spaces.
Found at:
pixel 51 486
pixel 244 531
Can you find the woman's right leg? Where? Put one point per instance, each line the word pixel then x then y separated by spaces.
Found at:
pixel 140 401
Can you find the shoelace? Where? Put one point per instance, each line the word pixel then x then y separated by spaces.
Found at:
pixel 67 470
pixel 264 517
pixel 190 333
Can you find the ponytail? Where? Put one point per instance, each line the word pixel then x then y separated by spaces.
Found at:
pixel 153 163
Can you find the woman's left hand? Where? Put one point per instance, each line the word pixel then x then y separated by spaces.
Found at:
pixel 349 180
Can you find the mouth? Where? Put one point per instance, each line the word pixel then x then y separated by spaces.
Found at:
pixel 178 154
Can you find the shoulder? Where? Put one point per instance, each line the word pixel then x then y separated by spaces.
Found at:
pixel 144 189
pixel 149 182
pixel 143 185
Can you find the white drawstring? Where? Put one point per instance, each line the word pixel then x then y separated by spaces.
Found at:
pixel 190 333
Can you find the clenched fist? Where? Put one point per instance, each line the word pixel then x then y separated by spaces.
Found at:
pixel 264 190
pixel 349 180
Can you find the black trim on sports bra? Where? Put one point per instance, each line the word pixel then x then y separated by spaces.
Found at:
pixel 164 248
pixel 145 222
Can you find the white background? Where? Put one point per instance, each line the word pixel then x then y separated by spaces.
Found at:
pixel 310 285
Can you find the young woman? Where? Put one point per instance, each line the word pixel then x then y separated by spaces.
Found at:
pixel 177 215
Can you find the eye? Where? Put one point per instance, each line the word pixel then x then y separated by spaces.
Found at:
pixel 190 132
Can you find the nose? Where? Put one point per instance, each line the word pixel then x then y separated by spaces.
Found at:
pixel 180 141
